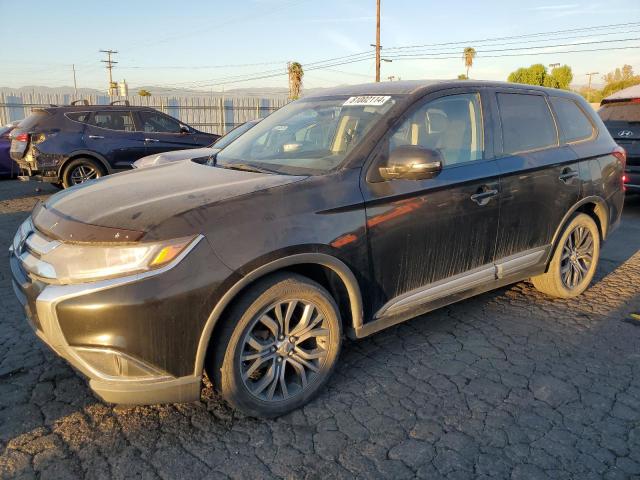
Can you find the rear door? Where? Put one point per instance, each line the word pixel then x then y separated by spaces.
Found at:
pixel 539 176
pixel 163 133
pixel 112 134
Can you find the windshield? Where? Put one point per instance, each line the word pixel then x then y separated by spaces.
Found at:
pixel 307 137
pixel 232 135
pixel 620 112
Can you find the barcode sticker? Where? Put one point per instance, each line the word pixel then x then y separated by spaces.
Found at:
pixel 367 100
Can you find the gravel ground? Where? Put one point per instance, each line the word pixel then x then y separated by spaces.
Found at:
pixel 509 384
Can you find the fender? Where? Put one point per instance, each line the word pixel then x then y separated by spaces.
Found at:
pixel 601 211
pixel 339 267
pixel 87 153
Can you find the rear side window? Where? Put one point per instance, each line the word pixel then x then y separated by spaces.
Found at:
pixel 117 120
pixel 82 117
pixel 574 124
pixel 527 123
pixel 620 112
pixel 158 123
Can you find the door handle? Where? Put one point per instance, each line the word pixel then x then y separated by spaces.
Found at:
pixel 483 197
pixel 567 174
pixel 95 137
pixel 151 140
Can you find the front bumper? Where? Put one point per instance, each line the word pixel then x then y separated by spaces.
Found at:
pixel 134 337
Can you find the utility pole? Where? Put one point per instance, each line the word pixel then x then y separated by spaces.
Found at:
pixel 110 64
pixel 75 85
pixel 377 40
pixel 591 74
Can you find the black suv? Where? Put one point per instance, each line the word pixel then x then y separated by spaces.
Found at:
pixel 622 118
pixel 342 213
pixel 72 144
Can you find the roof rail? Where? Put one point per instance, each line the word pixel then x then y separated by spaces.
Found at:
pixel 115 102
pixel 83 102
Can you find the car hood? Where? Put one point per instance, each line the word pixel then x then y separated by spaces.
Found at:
pixel 166 157
pixel 140 200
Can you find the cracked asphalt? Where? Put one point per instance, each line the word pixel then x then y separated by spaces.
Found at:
pixel 509 384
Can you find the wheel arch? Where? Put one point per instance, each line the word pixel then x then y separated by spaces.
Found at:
pixel 85 154
pixel 310 265
pixel 595 207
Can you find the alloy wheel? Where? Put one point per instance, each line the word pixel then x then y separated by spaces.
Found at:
pixel 82 173
pixel 284 350
pixel 577 257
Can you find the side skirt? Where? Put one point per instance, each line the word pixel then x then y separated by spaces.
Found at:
pixel 453 289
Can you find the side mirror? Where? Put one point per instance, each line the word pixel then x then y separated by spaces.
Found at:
pixel 184 129
pixel 411 162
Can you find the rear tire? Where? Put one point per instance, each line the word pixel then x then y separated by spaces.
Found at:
pixel 277 347
pixel 81 170
pixel 574 260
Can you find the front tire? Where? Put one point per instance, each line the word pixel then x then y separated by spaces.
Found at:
pixel 81 170
pixel 278 346
pixel 574 260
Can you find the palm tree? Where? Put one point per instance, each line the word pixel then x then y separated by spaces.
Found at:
pixel 468 55
pixel 295 80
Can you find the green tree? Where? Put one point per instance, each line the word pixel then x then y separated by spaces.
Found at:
pixel 295 80
pixel 462 76
pixel 560 77
pixel 537 74
pixel 533 75
pixel 468 55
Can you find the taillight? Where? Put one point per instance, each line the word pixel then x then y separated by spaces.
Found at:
pixel 22 137
pixel 621 155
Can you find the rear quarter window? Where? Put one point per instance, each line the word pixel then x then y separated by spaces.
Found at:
pixel 527 123
pixel 574 124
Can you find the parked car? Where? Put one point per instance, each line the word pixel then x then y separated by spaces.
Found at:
pixel 7 166
pixel 622 118
pixel 345 212
pixel 209 151
pixel 72 144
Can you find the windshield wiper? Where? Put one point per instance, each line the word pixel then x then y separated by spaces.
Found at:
pixel 244 167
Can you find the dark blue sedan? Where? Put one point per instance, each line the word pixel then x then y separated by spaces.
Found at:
pixel 7 166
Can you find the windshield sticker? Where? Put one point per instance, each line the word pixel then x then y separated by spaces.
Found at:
pixel 367 100
pixel 280 128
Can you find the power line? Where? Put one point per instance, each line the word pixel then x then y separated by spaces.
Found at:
pixel 526 54
pixel 528 35
pixel 534 47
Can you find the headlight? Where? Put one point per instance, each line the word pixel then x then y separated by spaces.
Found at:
pixel 77 263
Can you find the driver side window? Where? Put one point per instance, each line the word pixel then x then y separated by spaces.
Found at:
pixel 451 125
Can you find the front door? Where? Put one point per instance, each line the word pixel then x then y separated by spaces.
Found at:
pixel 540 177
pixel 163 133
pixel 425 231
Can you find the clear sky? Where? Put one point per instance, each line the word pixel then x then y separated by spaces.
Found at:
pixel 192 43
